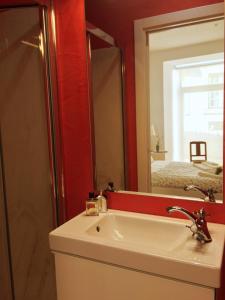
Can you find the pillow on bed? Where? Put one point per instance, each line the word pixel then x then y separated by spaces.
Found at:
pixel 219 170
pixel 205 168
pixel 210 175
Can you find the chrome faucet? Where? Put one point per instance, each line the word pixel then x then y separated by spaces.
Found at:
pixel 199 227
pixel 208 194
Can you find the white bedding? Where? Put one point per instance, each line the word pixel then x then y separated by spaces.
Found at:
pixel 174 174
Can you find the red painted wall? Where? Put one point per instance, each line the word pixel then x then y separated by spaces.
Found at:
pixel 74 103
pixel 157 206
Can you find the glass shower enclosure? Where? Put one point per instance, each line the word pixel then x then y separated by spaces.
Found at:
pixel 28 198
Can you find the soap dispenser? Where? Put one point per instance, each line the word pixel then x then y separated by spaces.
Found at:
pixel 92 208
pixel 102 202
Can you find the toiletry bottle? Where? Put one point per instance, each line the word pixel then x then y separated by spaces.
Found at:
pixel 92 208
pixel 102 202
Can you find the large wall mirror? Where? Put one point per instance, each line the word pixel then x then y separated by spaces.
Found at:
pixel 183 99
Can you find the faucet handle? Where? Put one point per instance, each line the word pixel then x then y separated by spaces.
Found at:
pixel 193 228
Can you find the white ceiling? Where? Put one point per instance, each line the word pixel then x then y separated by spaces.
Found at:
pixel 187 35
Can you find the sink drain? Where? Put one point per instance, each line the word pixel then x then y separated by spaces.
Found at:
pixel 97 228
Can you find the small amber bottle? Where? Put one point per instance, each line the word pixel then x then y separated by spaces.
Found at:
pixel 92 208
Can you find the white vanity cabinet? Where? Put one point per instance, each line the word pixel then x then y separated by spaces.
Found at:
pixel 83 279
pixel 128 256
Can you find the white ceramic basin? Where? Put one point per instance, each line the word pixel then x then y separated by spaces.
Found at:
pixel 154 244
pixel 150 234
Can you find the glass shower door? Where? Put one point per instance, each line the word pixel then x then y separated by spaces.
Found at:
pixel 26 143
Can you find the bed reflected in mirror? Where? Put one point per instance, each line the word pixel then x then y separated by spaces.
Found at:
pixel 186 110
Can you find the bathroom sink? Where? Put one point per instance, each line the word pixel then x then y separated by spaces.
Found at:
pixel 157 245
pixel 138 232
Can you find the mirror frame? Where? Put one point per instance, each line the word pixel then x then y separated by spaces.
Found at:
pixel 141 28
